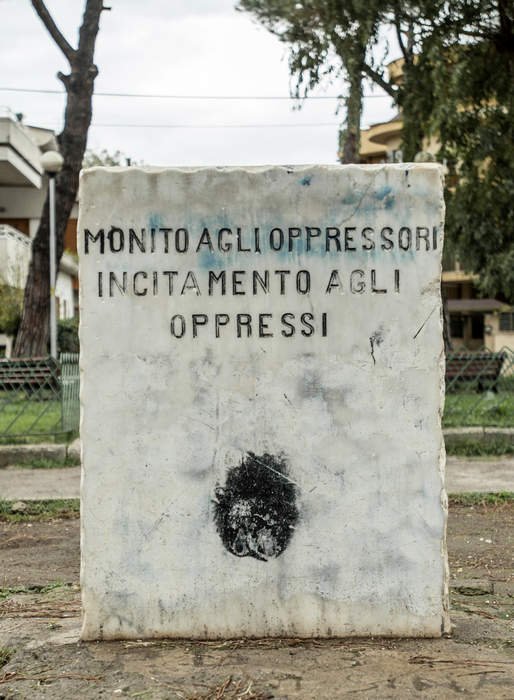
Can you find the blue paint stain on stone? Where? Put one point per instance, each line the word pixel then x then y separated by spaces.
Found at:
pixel 208 260
pixel 383 192
pixel 154 221
pixel 385 195
pixel 389 201
pixel 306 181
pixel 349 198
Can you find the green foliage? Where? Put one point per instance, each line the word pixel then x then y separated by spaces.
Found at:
pixel 481 499
pixel 9 591
pixel 68 508
pixel 6 653
pixel 327 39
pixel 416 101
pixel 103 157
pixel 468 56
pixel 68 335
pixel 11 304
pixel 46 463
pixel 468 408
pixel 486 446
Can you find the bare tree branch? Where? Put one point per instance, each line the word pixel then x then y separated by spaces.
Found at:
pixel 379 80
pixel 53 29
pixel 398 28
pixel 65 79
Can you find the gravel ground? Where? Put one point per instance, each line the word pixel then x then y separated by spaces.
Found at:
pixel 40 624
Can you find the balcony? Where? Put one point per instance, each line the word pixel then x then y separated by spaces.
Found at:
pixel 19 154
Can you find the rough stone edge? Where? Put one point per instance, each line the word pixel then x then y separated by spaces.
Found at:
pixel 83 594
pixel 155 169
pixel 445 593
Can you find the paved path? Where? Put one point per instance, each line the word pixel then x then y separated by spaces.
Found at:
pixel 462 475
pixel 39 484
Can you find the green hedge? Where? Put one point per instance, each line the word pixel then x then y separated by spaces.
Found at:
pixel 68 335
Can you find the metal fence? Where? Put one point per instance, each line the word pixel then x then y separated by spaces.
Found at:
pixel 479 389
pixel 39 398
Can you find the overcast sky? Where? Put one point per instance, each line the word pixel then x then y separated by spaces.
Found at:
pixel 181 47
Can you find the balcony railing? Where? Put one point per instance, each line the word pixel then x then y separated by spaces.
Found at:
pixel 7 231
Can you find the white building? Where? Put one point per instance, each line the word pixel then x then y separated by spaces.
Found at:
pixel 23 188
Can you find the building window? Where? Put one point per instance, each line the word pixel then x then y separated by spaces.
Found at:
pixel 477 326
pixel 456 326
pixel 507 321
pixel 3 350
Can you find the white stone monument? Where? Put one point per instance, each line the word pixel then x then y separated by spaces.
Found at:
pixel 262 385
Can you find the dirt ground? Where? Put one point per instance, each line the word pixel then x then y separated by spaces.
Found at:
pixel 40 618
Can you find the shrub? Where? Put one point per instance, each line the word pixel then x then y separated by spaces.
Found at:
pixel 11 302
pixel 68 335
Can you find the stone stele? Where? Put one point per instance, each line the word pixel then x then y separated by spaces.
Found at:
pixel 262 384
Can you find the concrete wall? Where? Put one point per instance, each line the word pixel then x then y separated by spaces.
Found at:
pixel 14 257
pixel 496 340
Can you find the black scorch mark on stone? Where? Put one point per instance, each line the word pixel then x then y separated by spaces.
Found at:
pixel 255 512
pixel 374 341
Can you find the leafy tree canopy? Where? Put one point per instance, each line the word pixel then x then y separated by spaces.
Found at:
pixel 469 56
pixel 329 38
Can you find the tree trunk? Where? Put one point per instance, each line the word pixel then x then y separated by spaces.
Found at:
pixel 350 136
pixel 36 306
pixel 33 334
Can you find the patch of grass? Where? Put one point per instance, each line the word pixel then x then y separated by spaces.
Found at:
pixel 41 413
pixel 16 590
pixel 36 438
pixel 26 420
pixel 45 463
pixel 479 409
pixel 67 508
pixel 481 499
pixel 6 654
pixel 486 446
